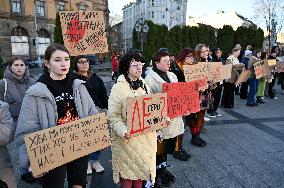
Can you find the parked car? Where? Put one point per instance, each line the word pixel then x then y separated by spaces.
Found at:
pixel 92 59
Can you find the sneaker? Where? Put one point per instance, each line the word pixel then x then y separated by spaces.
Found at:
pixel 98 167
pixel 217 114
pixel 262 98
pixel 206 119
pixel 89 170
pixel 275 98
pixel 211 115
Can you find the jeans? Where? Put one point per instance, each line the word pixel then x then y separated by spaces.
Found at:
pixel 253 85
pixel 95 156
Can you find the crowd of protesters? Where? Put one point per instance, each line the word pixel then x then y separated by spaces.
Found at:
pixel 62 95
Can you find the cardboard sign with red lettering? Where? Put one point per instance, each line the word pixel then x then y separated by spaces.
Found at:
pixel 201 84
pixel 215 71
pixel 183 98
pixel 261 69
pixel 146 113
pixel 84 32
pixel 196 71
pixel 53 147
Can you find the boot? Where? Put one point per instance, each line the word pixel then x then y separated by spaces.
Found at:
pixel 203 141
pixel 259 100
pixel 181 155
pixel 168 175
pixel 197 141
pixel 161 179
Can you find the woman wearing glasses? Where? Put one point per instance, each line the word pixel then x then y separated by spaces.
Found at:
pixel 133 158
pixel 97 91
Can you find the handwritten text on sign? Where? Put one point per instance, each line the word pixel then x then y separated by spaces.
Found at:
pixel 146 113
pixel 84 32
pixel 261 69
pixel 195 72
pixel 227 71
pixel 183 98
pixel 215 71
pixel 53 147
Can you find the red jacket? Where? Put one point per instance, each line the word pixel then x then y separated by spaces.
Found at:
pixel 114 63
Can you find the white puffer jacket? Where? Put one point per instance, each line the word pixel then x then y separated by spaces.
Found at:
pixel 155 82
pixel 136 158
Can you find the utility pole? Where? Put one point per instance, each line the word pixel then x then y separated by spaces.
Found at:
pixel 36 34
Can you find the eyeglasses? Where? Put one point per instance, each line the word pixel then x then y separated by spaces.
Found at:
pixel 135 65
pixel 83 62
pixel 189 56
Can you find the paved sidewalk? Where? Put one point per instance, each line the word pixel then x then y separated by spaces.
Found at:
pixel 245 149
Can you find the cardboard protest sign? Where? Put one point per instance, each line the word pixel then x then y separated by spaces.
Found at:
pixel 280 66
pixel 227 71
pixel 84 32
pixel 243 77
pixel 271 62
pixel 53 147
pixel 261 69
pixel 183 98
pixel 195 72
pixel 201 84
pixel 215 71
pixel 146 113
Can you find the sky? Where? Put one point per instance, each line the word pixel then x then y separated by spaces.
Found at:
pixel 197 8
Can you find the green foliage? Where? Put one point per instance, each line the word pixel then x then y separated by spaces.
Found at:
pixel 180 37
pixel 58 38
pixel 225 39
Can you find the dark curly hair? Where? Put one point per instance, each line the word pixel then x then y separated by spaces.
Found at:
pixel 76 59
pixel 125 60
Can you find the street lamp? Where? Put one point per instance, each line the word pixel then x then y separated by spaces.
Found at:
pixel 142 29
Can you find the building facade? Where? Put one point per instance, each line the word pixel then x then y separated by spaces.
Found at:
pixel 221 18
pixel 116 39
pixel 167 12
pixel 18 29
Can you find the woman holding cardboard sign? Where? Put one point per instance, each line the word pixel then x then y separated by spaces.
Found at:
pixel 57 98
pixel 229 84
pixel 133 158
pixel 186 57
pixel 155 78
pixel 253 82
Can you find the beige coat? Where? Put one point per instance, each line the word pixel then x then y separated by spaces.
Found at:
pixel 136 158
pixel 155 82
pixel 235 68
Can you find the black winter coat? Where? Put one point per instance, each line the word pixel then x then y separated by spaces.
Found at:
pixel 96 89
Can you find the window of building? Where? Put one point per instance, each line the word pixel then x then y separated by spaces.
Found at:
pixel 152 14
pixel 43 40
pixel 19 41
pixel 82 6
pixel 60 6
pixel 152 2
pixel 40 8
pixel 16 6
